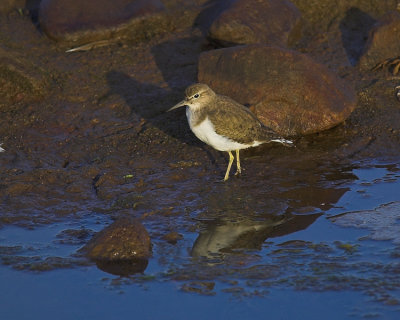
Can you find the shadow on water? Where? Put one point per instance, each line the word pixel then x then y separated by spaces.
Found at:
pixel 354 28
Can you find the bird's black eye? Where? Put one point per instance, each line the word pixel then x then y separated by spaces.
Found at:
pixel 196 95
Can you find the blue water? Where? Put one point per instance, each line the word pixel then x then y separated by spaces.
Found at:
pixel 85 292
pixel 81 294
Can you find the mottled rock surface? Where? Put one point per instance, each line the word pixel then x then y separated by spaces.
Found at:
pixel 269 21
pixel 7 5
pixel 287 90
pixel 72 20
pixel 383 41
pixel 20 79
pixel 125 239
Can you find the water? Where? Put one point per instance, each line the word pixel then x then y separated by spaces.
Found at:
pixel 319 269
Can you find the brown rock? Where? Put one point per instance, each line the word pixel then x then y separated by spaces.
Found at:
pixel 172 237
pixel 20 79
pixel 287 90
pixel 124 240
pixel 383 41
pixel 76 20
pixel 8 5
pixel 271 22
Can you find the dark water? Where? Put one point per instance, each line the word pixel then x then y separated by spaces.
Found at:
pixel 320 269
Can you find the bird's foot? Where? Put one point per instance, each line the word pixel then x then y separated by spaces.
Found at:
pixel 226 177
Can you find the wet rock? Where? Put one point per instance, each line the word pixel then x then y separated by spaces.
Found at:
pixel 20 79
pixel 271 21
pixel 172 237
pixel 124 240
pixel 321 15
pixel 73 237
pixel 287 90
pixel 80 21
pixel 8 5
pixel 383 41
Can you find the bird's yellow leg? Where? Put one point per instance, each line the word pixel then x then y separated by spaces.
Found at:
pixel 231 157
pixel 238 168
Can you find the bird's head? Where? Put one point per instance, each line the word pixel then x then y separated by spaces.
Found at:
pixel 196 96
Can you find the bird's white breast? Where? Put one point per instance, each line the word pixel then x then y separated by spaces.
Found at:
pixel 205 131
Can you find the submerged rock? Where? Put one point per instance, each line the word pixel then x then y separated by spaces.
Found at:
pixel 90 20
pixel 271 21
pixel 287 90
pixel 121 248
pixel 382 222
pixel 383 41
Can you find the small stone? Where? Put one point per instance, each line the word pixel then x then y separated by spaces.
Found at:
pixel 287 90
pixel 272 22
pixel 383 41
pixel 124 240
pixel 173 237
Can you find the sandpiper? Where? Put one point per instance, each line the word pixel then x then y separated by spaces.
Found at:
pixel 224 124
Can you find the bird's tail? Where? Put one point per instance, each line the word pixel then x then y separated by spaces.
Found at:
pixel 271 136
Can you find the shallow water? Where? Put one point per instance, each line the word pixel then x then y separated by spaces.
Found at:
pixel 294 263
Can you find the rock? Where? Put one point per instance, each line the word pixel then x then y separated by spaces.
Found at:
pixel 20 79
pixel 271 22
pixel 82 21
pixel 287 90
pixel 383 41
pixel 124 240
pixel 8 5
pixel 172 237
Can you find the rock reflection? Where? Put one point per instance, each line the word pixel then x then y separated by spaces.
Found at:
pixel 123 268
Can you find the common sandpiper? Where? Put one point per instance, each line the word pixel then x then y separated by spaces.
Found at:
pixel 224 124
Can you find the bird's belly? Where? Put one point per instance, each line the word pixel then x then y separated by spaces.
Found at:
pixel 205 132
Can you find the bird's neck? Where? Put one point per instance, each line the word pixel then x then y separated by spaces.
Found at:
pixel 195 116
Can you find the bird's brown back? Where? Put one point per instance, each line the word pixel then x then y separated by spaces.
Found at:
pixel 235 121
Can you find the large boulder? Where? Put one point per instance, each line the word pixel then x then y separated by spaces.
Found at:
pixel 271 22
pixel 383 41
pixel 287 90
pixel 89 20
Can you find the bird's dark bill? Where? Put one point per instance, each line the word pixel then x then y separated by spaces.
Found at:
pixel 180 104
